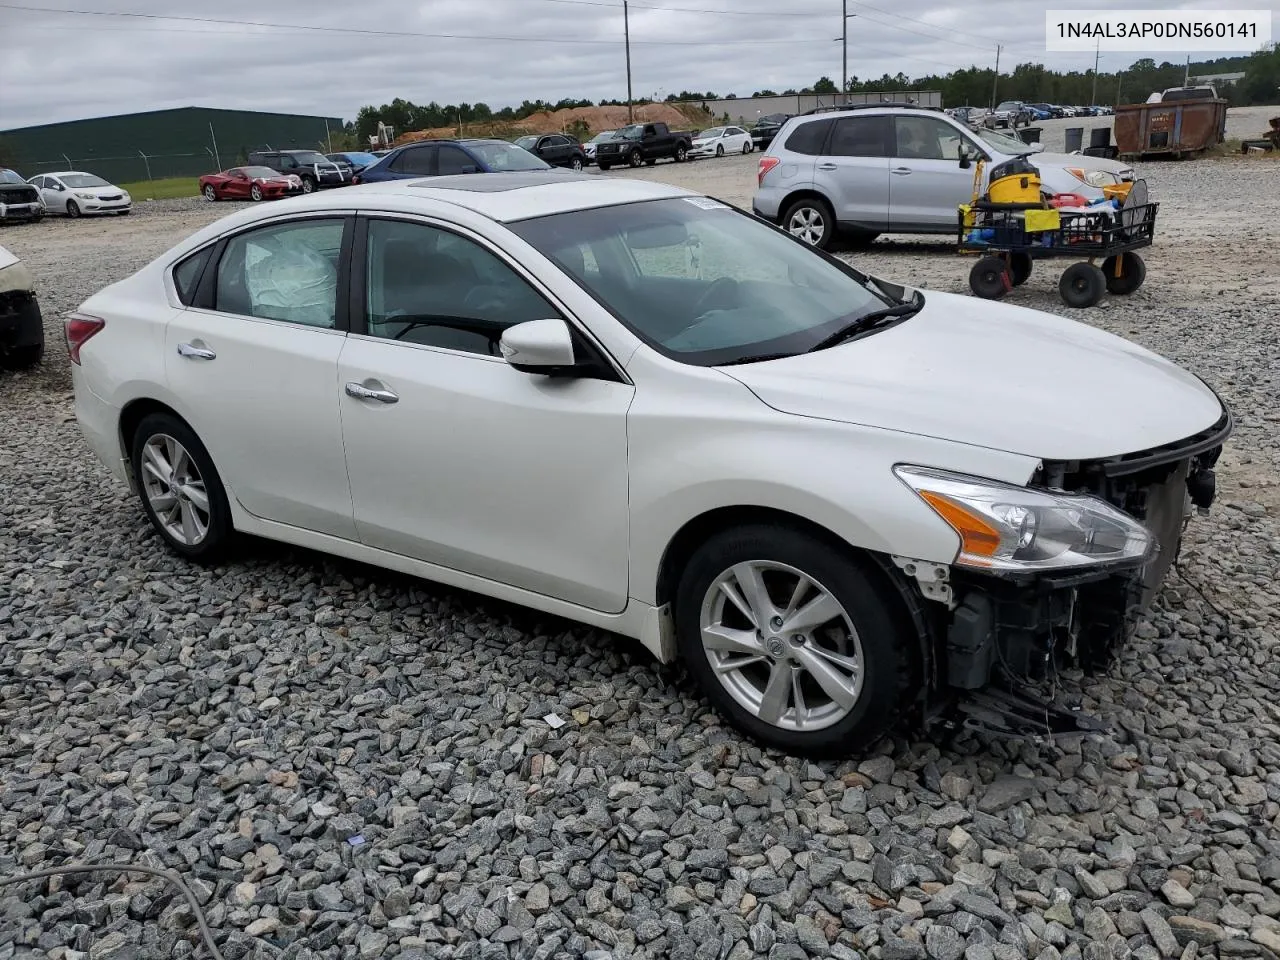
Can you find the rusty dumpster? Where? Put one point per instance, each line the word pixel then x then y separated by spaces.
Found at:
pixel 1174 128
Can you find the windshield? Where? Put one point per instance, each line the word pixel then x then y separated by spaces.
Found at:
pixel 506 156
pixel 526 143
pixel 701 282
pixel 8 176
pixel 74 180
pixel 633 132
pixel 1010 145
pixel 361 159
pixel 257 172
pixel 307 158
pixel 603 135
pixel 711 134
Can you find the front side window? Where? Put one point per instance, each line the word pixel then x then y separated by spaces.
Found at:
pixel 926 138
pixel 284 272
pixel 429 286
pixel 700 282
pixel 452 160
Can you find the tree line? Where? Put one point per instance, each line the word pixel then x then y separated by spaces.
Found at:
pixel 975 86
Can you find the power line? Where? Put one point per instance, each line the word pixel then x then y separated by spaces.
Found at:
pixel 359 31
pixel 925 23
pixel 720 13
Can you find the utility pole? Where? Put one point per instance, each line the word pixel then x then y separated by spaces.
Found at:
pixel 844 51
pixel 1186 76
pixel 996 81
pixel 1119 83
pixel 626 32
pixel 1097 53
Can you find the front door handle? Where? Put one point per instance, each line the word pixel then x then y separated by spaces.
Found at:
pixel 901 171
pixel 361 392
pixel 192 352
pixel 826 166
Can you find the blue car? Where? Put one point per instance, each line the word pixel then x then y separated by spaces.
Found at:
pixel 1041 111
pixel 441 158
pixel 355 159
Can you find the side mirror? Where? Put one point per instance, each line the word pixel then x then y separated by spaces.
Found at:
pixel 966 160
pixel 539 346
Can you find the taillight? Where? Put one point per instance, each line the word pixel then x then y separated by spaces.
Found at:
pixel 79 328
pixel 766 164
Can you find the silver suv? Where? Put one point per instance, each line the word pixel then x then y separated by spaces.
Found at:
pixel 863 172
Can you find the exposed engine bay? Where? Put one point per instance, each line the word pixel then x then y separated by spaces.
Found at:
pixel 1000 640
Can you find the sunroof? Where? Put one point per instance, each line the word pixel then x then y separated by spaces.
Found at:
pixel 499 182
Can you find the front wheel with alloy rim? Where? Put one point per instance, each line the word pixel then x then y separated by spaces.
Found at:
pixel 255 192
pixel 719 149
pixel 180 489
pixel 793 640
pixel 811 221
pixel 308 185
pixel 635 158
pixel 73 209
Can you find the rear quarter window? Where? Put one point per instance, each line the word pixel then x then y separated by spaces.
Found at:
pixel 808 138
pixel 186 275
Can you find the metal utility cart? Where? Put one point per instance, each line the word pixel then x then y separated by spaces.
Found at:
pixel 1011 237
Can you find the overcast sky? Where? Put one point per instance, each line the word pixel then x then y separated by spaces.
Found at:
pixel 66 66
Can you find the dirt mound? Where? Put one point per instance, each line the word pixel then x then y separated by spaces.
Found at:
pixel 596 119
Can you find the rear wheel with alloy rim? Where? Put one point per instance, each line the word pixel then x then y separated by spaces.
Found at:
pixel 575 164
pixel 792 640
pixel 210 193
pixel 180 489
pixel 810 220
pixel 746 147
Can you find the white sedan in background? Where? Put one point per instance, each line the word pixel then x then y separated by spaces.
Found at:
pixel 75 193
pixel 589 148
pixel 637 407
pixel 718 141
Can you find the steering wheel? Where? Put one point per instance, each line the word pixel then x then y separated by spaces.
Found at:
pixel 718 289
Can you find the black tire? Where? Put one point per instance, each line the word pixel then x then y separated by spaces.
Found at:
pixel 1133 271
pixel 682 153
pixel 220 533
pixel 21 358
pixel 1082 285
pixel 635 158
pixel 309 185
pixel 210 193
pixel 255 193
pixel 604 166
pixel 719 149
pixel 746 147
pixel 890 678
pixel 990 278
pixel 822 222
pixel 73 209
pixel 576 164
pixel 1019 268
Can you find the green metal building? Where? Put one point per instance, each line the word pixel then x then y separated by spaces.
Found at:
pixel 184 142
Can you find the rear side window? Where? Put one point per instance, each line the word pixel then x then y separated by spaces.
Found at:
pixel 808 138
pixel 859 137
pixel 417 160
pixel 186 275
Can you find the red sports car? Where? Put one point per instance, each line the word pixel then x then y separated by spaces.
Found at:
pixel 249 183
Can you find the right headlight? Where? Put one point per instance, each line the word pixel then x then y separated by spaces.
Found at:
pixel 1004 527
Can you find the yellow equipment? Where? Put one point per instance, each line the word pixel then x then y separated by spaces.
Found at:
pixel 1015 181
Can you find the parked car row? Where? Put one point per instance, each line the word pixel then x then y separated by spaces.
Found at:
pixel 73 193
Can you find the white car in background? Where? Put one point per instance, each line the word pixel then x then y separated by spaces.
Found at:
pixel 589 148
pixel 838 500
pixel 718 141
pixel 76 193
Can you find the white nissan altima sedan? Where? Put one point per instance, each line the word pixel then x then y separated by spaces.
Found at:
pixel 840 501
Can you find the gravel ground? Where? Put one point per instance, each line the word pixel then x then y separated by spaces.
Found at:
pixel 350 763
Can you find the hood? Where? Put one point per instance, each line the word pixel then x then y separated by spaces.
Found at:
pixel 1083 161
pixel 98 192
pixel 992 375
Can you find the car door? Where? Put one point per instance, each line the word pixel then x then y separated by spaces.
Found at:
pixel 413 162
pixel 927 182
pixel 451 160
pixel 739 139
pixel 255 364
pixel 55 194
pixel 853 171
pixel 457 458
pixel 237 184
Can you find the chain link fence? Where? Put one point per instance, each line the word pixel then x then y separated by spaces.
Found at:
pixel 138 168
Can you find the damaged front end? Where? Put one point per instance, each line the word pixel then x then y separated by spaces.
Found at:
pixel 21 325
pixel 1000 634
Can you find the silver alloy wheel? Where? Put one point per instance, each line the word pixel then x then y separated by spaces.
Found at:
pixel 255 192
pixel 782 645
pixel 175 489
pixel 210 193
pixel 808 224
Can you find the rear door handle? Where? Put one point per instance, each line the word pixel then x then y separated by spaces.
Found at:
pixel 361 392
pixel 901 171
pixel 826 166
pixel 192 352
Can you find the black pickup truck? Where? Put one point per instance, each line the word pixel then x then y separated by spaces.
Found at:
pixel 643 143
pixel 315 169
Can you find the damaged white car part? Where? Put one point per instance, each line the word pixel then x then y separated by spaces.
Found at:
pixel 21 325
pixel 628 405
